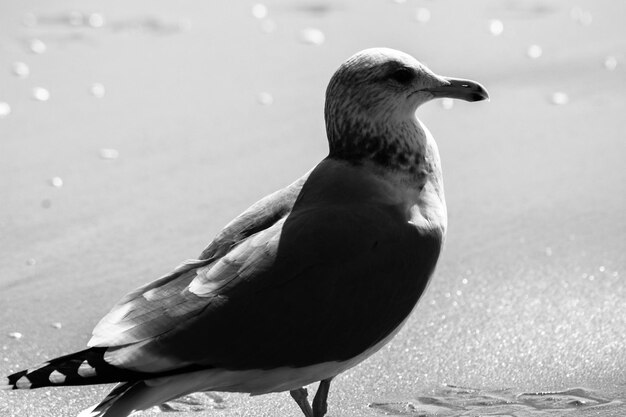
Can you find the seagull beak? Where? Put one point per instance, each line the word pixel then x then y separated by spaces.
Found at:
pixel 458 88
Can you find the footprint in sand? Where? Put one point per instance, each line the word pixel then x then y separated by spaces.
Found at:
pixel 453 401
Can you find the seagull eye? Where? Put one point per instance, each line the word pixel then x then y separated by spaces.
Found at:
pixel 403 75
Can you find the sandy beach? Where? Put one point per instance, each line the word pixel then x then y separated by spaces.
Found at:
pixel 163 121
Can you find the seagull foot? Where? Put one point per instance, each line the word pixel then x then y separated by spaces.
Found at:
pixel 320 404
pixel 300 396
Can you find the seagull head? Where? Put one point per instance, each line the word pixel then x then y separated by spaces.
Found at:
pixel 373 95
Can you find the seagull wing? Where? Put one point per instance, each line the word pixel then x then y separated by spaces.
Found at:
pixel 159 305
pixel 328 272
pixel 259 216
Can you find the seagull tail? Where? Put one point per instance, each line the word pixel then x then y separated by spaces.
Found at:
pixel 81 368
pixel 133 393
pixel 129 397
pixel 110 406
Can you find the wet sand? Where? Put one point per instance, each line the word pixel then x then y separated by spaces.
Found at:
pixel 529 295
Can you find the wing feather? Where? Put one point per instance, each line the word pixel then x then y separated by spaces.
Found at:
pixel 333 265
pixel 259 216
pixel 248 259
pixel 160 305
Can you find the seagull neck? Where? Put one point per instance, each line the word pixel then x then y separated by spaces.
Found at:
pixel 405 154
pixel 396 145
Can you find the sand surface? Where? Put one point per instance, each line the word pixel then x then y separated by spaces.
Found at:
pixel 526 313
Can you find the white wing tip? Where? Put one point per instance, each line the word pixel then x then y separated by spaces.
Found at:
pixel 23 383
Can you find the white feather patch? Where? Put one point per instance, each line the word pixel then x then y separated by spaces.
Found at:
pixel 57 377
pixel 88 412
pixel 209 280
pixel 23 383
pixel 151 295
pixel 85 370
pixel 254 253
pixel 112 324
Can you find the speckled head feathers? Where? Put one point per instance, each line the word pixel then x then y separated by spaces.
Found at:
pixel 378 81
pixel 370 105
pixel 371 101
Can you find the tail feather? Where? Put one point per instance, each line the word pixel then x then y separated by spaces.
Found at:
pixel 105 405
pixel 136 391
pixel 129 397
pixel 81 368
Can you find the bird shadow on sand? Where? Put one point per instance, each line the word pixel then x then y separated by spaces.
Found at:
pixel 453 401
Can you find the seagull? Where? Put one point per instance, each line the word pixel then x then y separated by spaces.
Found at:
pixel 306 283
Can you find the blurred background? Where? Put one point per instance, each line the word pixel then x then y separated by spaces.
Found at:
pixel 131 132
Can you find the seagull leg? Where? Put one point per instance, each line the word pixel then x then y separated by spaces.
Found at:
pixel 300 395
pixel 319 402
